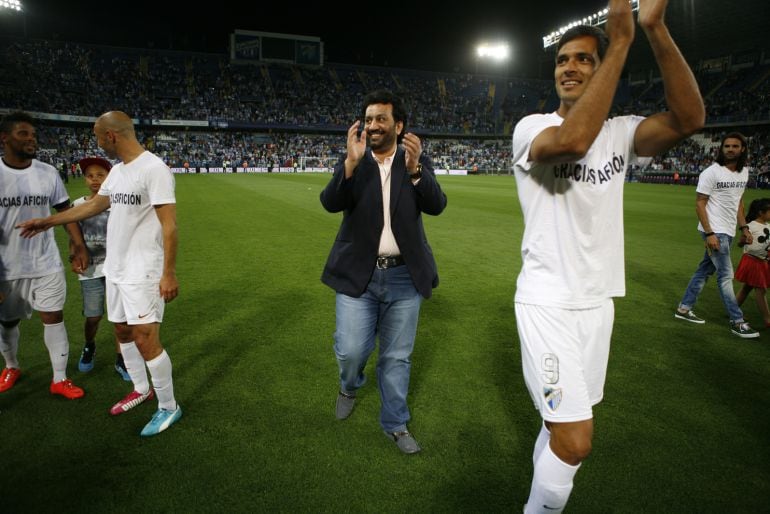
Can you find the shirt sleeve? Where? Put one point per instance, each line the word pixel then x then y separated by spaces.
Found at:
pixel 632 123
pixel 104 190
pixel 706 182
pixel 160 185
pixel 59 194
pixel 525 132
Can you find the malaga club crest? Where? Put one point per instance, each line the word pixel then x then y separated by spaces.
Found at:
pixel 552 397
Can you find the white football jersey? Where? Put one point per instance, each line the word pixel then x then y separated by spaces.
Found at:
pixel 572 248
pixel 25 194
pixel 134 236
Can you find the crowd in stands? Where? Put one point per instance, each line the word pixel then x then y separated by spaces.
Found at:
pixel 279 115
pixel 63 146
pixel 75 79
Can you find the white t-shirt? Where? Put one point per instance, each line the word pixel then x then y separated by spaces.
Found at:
pixel 94 231
pixel 572 248
pixel 134 236
pixel 760 244
pixel 26 194
pixel 725 190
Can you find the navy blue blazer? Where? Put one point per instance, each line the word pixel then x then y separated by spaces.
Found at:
pixel 353 256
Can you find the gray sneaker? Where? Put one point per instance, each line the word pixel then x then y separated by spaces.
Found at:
pixel 689 316
pixel 743 329
pixel 344 405
pixel 405 441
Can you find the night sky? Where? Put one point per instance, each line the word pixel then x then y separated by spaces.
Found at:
pixel 437 36
pixel 419 35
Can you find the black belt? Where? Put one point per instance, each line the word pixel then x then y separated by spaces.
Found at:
pixel 389 261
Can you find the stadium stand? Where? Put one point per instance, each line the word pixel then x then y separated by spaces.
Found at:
pixel 198 110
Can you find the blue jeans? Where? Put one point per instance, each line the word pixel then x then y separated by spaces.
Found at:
pixel 390 306
pixel 719 261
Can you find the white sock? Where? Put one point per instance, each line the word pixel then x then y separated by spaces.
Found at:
pixel 542 440
pixel 160 372
pixel 55 337
pixel 9 345
pixel 551 484
pixel 135 366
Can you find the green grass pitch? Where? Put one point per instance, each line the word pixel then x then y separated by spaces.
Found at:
pixel 683 427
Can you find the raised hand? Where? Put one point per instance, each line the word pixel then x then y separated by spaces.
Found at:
pixel 413 147
pixel 651 12
pixel 620 22
pixel 356 146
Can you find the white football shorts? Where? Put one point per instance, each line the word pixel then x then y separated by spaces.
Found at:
pixel 23 295
pixel 135 304
pixel 564 354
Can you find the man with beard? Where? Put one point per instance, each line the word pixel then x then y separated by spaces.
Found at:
pixel 31 272
pixel 140 266
pixel 719 203
pixel 381 265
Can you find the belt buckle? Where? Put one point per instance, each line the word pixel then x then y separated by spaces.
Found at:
pixel 382 262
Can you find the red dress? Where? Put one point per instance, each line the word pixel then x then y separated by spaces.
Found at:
pixel 753 271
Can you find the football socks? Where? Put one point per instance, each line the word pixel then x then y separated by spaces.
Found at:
pixel 160 372
pixel 9 345
pixel 135 366
pixel 551 484
pixel 55 337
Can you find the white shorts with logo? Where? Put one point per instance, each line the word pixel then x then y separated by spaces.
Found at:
pixel 564 354
pixel 23 295
pixel 135 304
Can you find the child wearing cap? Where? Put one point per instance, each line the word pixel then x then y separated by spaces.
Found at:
pixel 92 282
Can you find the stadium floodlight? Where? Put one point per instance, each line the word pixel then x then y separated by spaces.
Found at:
pixel 10 4
pixel 496 51
pixel 595 19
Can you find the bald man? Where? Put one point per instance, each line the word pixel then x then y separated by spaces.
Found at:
pixel 140 267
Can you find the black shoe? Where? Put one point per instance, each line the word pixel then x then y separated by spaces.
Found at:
pixel 86 362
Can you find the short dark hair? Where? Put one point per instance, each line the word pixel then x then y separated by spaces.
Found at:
pixel 602 41
pixel 758 206
pixel 12 118
pixel 744 155
pixel 383 96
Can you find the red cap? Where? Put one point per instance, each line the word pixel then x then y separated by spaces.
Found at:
pixel 98 161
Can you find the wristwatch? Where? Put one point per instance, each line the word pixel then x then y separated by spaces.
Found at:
pixel 417 174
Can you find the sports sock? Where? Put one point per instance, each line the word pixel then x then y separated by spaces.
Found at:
pixel 160 372
pixel 135 366
pixel 542 440
pixel 9 345
pixel 551 484
pixel 55 337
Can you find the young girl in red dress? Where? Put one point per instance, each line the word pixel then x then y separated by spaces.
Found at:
pixel 753 270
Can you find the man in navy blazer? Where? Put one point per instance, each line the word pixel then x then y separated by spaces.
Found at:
pixel 381 265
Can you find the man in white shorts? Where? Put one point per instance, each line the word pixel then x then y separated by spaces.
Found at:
pixel 31 272
pixel 570 167
pixel 140 267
